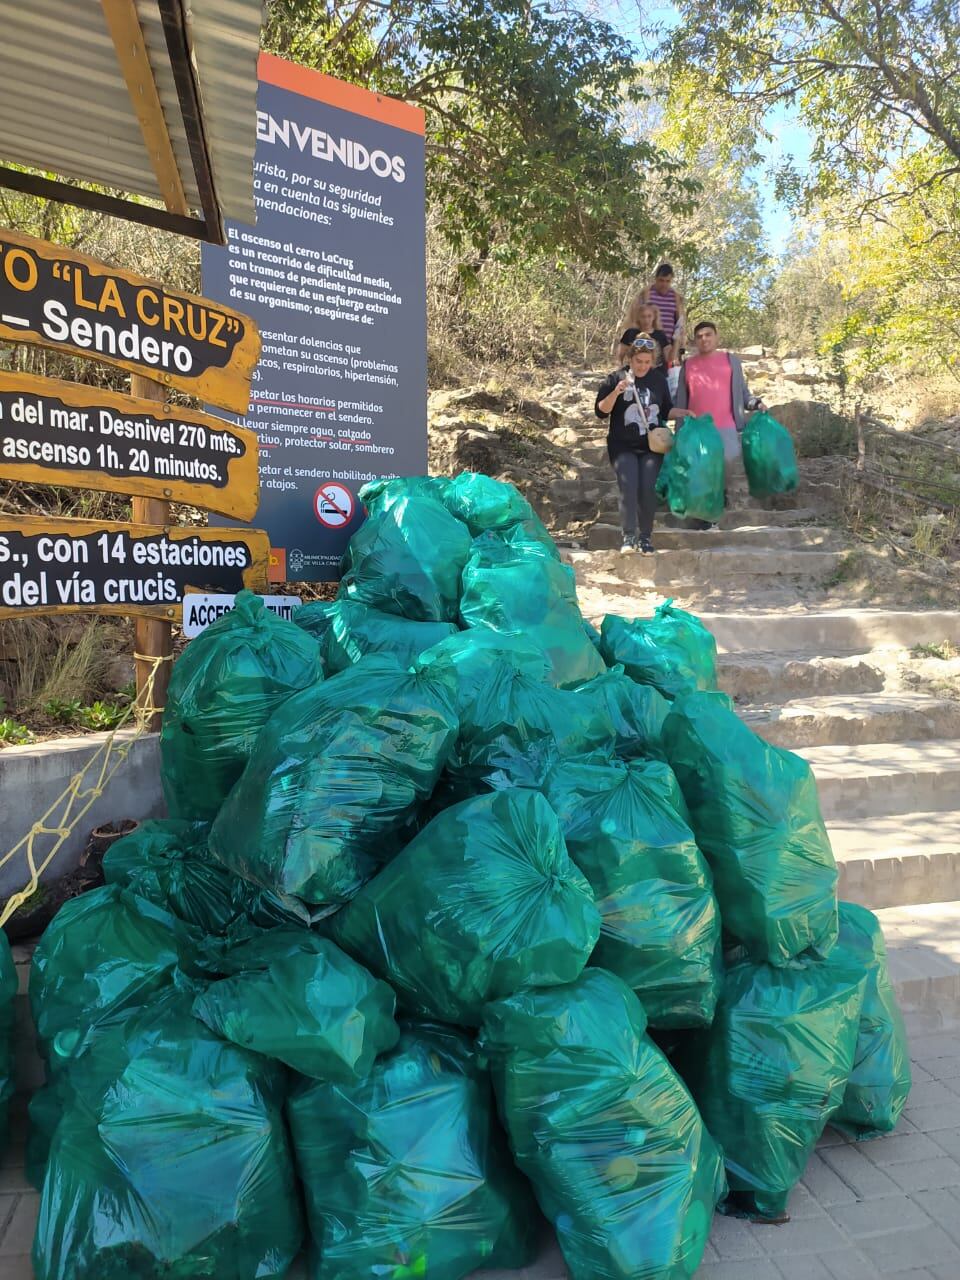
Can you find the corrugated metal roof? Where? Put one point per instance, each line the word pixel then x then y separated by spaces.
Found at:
pixel 225 35
pixel 65 108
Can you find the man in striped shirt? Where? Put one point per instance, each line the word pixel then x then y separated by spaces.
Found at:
pixel 664 297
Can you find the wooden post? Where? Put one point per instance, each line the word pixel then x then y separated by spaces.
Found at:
pixel 153 638
pixel 861 438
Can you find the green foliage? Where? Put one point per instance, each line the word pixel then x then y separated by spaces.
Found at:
pixel 12 734
pixel 869 79
pixel 724 272
pixel 97 716
pixel 526 151
pixel 943 651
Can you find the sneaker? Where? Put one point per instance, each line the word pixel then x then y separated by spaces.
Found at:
pixel 629 547
pixel 712 527
pixel 647 547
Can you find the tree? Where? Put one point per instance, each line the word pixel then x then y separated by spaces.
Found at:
pixel 526 152
pixel 726 270
pixel 875 80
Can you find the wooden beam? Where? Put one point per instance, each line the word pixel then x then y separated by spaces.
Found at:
pixel 127 36
pixel 34 184
pixel 191 112
pixel 152 638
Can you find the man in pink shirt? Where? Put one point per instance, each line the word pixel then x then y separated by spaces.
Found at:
pixel 713 382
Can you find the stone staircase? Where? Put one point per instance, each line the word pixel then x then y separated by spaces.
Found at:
pixel 813 673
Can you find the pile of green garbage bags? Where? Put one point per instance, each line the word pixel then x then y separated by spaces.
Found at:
pixel 448 873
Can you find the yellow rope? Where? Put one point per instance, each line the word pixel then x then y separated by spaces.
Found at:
pixel 110 755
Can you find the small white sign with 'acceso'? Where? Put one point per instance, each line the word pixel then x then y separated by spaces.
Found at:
pixel 200 610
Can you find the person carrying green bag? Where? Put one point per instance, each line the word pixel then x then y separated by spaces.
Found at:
pixel 713 382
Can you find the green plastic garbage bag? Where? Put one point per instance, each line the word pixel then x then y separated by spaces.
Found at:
pixel 470 653
pixel 44 1109
pixel 316 618
pixel 879 1084
pixel 483 503
pixel 224 687
pixel 771 1071
pixel 593 635
pixel 406 1173
pixel 526 539
pixel 691 478
pixel 529 534
pixel 103 955
pixel 313 1008
pixel 756 816
pixel 381 494
pixel 604 1128
pixel 172 1160
pixel 769 457
pixel 625 829
pixel 672 651
pixel 516 727
pixel 637 712
pixel 484 900
pixel 167 861
pixel 335 778
pixel 533 597
pixel 8 995
pixel 407 559
pixel 356 630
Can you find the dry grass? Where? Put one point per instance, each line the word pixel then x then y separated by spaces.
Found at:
pixel 57 659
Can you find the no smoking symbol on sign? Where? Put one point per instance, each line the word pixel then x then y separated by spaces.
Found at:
pixel 333 505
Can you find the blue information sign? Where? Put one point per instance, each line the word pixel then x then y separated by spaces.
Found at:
pixel 334 274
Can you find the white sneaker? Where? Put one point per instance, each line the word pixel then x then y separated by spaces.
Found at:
pixel 629 547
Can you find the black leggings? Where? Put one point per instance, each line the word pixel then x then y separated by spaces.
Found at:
pixel 637 477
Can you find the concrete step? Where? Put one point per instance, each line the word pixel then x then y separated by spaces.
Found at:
pixel 607 537
pixel 704 567
pixel 741 516
pixel 923 948
pixel 591 455
pixel 898 859
pixel 876 779
pixel 835 631
pixel 847 720
pixel 778 677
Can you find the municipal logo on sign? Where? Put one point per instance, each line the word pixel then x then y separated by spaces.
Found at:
pixel 333 505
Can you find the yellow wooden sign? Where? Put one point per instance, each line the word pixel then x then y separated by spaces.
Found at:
pixel 60 565
pixel 55 432
pixel 58 298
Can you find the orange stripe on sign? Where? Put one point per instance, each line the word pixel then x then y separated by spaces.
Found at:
pixel 337 93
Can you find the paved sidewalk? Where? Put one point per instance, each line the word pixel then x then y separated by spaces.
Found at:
pixel 872 1209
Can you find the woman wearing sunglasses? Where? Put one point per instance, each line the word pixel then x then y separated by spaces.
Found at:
pixel 635 399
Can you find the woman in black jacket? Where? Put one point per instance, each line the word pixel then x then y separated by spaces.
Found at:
pixel 635 399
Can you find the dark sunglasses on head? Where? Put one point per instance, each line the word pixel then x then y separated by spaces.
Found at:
pixel 643 344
